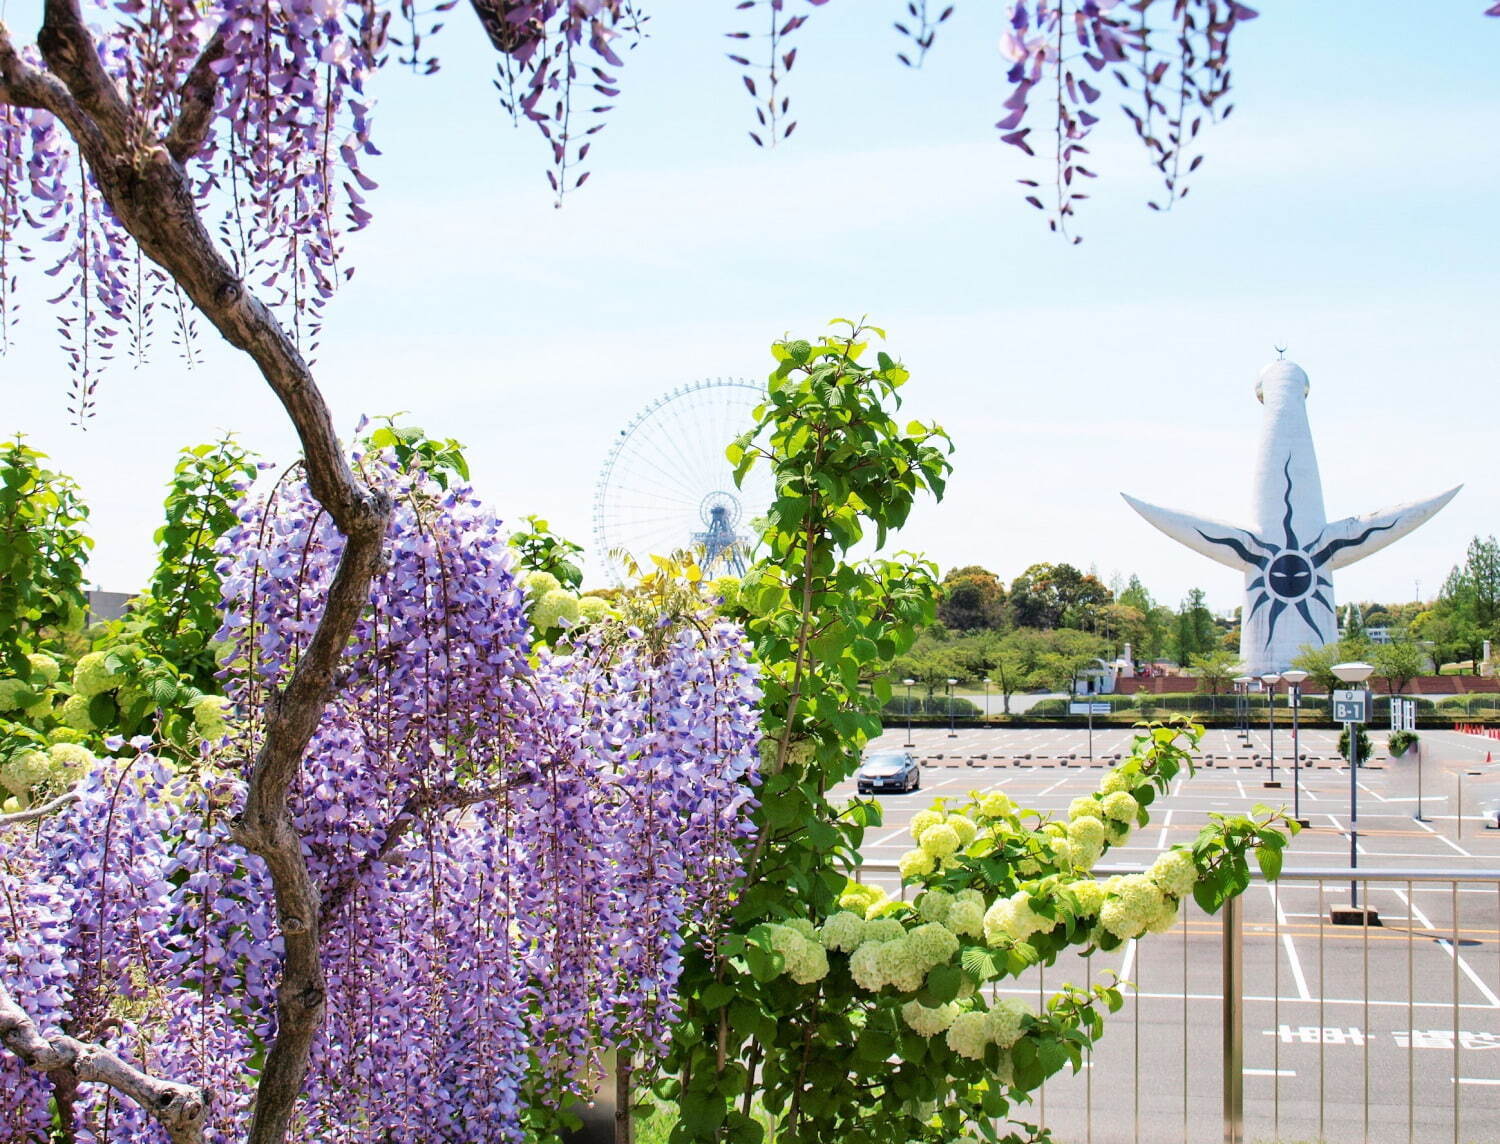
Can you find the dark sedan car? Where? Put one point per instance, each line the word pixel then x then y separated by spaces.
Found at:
pixel 888 770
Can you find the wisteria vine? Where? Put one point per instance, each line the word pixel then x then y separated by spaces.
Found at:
pixel 266 105
pixel 511 847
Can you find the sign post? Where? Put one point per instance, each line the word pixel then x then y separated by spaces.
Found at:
pixel 1351 707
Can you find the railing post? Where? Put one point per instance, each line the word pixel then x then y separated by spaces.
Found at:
pixel 1234 1024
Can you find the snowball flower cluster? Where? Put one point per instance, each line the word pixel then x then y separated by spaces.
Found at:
pixel 964 827
pixel 928 1022
pixel 933 944
pixel 1088 896
pixel 940 840
pixel 805 960
pixel 996 805
pixel 557 608
pixel 889 955
pixel 1120 806
pixel 14 693
pixel 843 931
pixel 24 770
pixel 966 918
pixel 933 905
pixel 1174 872
pixel 969 1035
pixel 1118 780
pixel 862 899
pixel 1135 903
pixel 915 863
pixel 1013 919
pixel 1084 806
pixel 923 821
pixel 592 608
pixel 208 716
pixel 91 677
pixel 74 713
pixel 1006 1021
pixel 44 668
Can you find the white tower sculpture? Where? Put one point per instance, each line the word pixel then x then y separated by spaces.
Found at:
pixel 1290 551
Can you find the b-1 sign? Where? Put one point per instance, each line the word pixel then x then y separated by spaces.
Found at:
pixel 1351 706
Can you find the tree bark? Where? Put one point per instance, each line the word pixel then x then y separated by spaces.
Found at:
pixel 178 1108
pixel 149 193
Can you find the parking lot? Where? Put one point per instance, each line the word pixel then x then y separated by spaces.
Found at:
pixel 1388 1032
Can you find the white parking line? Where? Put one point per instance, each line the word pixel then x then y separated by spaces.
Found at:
pixel 1449 841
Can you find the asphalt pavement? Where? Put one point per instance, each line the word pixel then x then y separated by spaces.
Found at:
pixel 1383 1033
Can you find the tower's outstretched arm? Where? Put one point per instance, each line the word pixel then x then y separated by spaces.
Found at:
pixel 1355 537
pixel 1225 543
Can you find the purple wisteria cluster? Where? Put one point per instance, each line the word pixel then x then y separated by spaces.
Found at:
pixel 511 847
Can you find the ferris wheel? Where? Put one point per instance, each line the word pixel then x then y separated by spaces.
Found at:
pixel 667 486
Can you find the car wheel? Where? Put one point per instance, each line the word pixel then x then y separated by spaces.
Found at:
pixel 916 781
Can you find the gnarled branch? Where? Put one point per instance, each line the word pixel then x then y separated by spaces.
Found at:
pixel 196 102
pixel 179 1108
pixel 31 814
pixel 69 49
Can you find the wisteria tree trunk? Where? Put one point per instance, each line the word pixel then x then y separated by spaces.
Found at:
pixel 140 173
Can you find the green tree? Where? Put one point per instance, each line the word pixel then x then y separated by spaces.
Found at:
pixel 818 623
pixel 1318 662
pixel 1467 611
pixel 43 551
pixel 973 598
pixel 1051 596
pixel 177 616
pixel 1215 671
pixel 1196 632
pixel 1398 663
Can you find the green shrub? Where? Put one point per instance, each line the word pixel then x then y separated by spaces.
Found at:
pixel 1364 745
pixel 1400 741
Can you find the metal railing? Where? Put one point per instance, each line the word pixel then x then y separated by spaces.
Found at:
pixel 1431 952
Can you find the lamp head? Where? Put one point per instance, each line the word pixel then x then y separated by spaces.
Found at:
pixel 908 682
pixel 1355 672
pixel 952 681
pixel 1294 677
pixel 1270 679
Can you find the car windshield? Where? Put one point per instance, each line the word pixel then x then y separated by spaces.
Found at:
pixel 885 762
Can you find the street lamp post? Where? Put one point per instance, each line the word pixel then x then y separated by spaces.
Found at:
pixel 1294 680
pixel 1271 679
pixel 1354 674
pixel 986 696
pixel 908 742
pixel 952 731
pixel 1242 690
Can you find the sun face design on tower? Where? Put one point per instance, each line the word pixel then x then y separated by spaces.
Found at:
pixel 1289 571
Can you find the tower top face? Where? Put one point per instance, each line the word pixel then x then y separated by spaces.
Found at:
pixel 1280 375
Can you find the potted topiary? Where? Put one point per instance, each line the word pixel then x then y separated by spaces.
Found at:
pixel 1402 744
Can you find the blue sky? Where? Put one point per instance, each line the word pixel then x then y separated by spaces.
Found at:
pixel 1345 210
